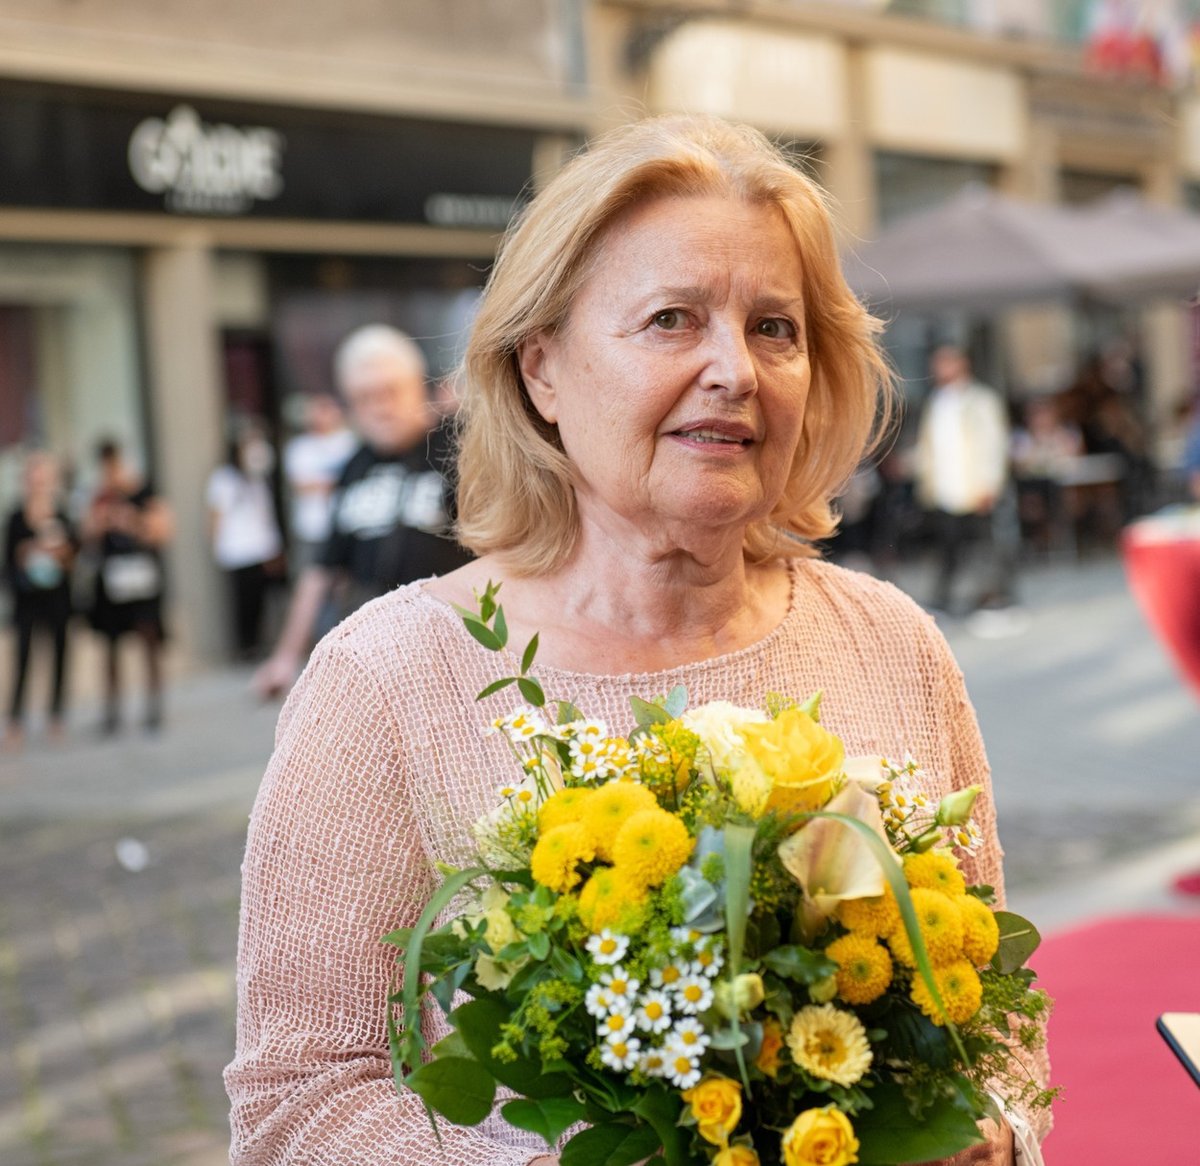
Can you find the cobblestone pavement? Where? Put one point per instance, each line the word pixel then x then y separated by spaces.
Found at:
pixel 119 863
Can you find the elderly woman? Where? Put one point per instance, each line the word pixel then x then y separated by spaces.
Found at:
pixel 666 384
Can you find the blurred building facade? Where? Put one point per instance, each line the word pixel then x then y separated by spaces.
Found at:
pixel 195 204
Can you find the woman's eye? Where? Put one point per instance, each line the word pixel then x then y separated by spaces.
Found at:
pixel 669 320
pixel 776 328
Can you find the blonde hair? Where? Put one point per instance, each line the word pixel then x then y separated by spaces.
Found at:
pixel 515 484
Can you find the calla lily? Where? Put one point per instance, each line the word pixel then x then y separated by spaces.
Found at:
pixel 832 861
pixel 865 770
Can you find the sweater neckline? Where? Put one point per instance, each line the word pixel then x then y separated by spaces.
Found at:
pixel 643 680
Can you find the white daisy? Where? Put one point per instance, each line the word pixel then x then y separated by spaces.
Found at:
pixel 683 1071
pixel 599 1001
pixel 607 948
pixel 709 960
pixel 689 1035
pixel 654 1012
pixel 616 1023
pixel 619 1052
pixel 653 1063
pixel 620 985
pixel 669 976
pixel 693 993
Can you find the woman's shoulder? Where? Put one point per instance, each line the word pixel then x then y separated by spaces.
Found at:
pixel 873 603
pixel 398 628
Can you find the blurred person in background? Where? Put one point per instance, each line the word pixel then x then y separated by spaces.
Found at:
pixel 39 552
pixel 244 530
pixel 126 527
pixel 1043 448
pixel 392 509
pixel 960 467
pixel 1190 464
pixel 312 462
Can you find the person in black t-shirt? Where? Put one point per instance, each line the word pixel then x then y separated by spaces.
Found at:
pixel 392 509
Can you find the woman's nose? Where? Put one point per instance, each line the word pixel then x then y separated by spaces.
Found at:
pixel 730 364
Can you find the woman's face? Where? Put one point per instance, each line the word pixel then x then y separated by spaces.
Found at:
pixel 679 381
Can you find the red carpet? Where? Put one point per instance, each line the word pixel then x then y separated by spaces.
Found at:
pixel 1126 1100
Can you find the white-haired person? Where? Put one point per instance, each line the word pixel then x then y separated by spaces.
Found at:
pixel 667 383
pixel 392 509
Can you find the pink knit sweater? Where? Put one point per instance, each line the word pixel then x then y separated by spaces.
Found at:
pixel 381 764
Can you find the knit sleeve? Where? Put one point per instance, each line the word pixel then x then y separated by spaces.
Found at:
pixel 334 860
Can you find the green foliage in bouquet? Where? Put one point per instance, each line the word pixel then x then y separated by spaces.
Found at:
pixel 718 940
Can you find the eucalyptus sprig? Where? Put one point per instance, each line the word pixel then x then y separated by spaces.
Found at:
pixel 489 627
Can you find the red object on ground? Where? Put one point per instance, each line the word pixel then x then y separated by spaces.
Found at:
pixel 1164 575
pixel 1126 1098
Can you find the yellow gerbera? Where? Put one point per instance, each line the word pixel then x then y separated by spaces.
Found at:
pixel 562 807
pixel 876 915
pixel 609 899
pixel 651 846
pixel 981 932
pixel 864 968
pixel 960 988
pixel 609 808
pixel 557 855
pixel 829 1043
pixel 937 872
pixel 941 926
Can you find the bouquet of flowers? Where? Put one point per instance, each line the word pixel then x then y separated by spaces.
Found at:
pixel 717 940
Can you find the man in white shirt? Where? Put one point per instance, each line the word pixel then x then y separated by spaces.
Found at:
pixel 961 469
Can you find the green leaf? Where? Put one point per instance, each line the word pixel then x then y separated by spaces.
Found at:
pixel 547 1118
pixel 539 945
pixel 452 1045
pixel 461 1090
pixel 483 634
pixel 794 962
pixel 500 627
pixel 407 1047
pixel 646 713
pixel 739 866
pixel 531 691
pixel 496 686
pixel 529 653
pixel 610 1145
pixel 1019 939
pixel 661 1108
pixel 479 1023
pixel 398 938
pixel 676 702
pixel 889 1135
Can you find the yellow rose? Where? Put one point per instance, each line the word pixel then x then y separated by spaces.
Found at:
pixel 716 1104
pixel 772 1045
pixel 791 765
pixel 820 1137
pixel 736 1156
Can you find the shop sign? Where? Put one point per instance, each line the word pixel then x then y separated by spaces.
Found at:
pixel 98 150
pixel 206 168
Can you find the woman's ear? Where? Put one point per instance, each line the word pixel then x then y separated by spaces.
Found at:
pixel 533 359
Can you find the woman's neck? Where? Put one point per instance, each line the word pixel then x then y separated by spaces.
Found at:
pixel 614 609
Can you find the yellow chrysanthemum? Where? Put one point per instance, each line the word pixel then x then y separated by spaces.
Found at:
pixel 876 915
pixel 557 855
pixel 960 988
pixel 941 926
pixel 609 808
pixel 609 899
pixel 981 932
pixel 864 968
pixel 562 807
pixel 651 846
pixel 936 872
pixel 829 1043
